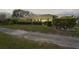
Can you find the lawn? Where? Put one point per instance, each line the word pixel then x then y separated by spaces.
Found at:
pixel 76 32
pixel 11 42
pixel 28 27
pixel 38 28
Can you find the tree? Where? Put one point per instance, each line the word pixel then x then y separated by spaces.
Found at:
pixel 49 23
pixel 65 22
pixel 20 13
pixel 3 18
pixel 55 16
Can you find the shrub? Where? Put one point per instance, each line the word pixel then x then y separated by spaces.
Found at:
pixel 66 22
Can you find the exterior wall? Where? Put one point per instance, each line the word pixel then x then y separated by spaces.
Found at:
pixel 42 18
pixel 36 19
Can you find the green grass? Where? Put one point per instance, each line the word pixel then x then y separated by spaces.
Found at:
pixel 76 32
pixel 28 27
pixel 11 42
pixel 38 28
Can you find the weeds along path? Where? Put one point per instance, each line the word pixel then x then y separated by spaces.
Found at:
pixel 65 41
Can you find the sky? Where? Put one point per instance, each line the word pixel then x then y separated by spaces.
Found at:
pixel 47 11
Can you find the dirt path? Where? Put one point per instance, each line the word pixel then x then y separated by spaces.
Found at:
pixel 50 38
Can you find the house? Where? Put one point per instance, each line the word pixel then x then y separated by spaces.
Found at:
pixel 27 16
pixel 36 18
pixel 42 18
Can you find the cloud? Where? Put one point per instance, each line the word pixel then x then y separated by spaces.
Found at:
pixel 47 11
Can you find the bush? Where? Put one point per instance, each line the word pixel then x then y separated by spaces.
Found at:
pixel 49 23
pixel 66 22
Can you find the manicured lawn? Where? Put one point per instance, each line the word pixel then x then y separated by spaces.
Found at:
pixel 11 42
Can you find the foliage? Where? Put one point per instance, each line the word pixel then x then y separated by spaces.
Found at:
pixel 20 13
pixel 49 23
pixel 2 17
pixel 66 22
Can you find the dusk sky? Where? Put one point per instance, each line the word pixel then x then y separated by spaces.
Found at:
pixel 45 11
